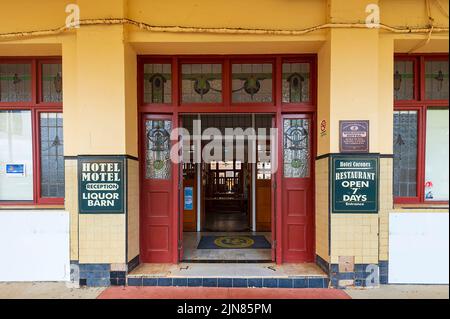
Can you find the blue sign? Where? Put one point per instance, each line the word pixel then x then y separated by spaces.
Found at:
pixel 18 169
pixel 188 198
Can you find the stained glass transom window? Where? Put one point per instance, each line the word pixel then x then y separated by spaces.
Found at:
pixel 52 83
pixel 436 80
pixel 52 155
pixel 15 82
pixel 158 164
pixel 157 83
pixel 252 83
pixel 296 148
pixel 201 83
pixel 404 80
pixel 405 153
pixel 296 82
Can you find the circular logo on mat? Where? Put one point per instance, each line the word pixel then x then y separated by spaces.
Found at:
pixel 234 242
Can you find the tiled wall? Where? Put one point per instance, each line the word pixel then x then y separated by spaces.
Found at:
pixel 322 209
pixel 102 239
pixel 133 209
pixel 354 235
pixel 386 204
pixel 71 204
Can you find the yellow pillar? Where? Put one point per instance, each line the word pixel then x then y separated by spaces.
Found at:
pixel 101 119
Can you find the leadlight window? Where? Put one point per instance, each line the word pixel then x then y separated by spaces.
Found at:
pixel 296 148
pixel 436 80
pixel 296 82
pixel 252 83
pixel 421 129
pixel 52 82
pixel 15 82
pixel 404 80
pixel 201 83
pixel 52 155
pixel 405 153
pixel 157 83
pixel 158 163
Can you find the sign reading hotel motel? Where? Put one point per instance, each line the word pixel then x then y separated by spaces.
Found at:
pixel 355 181
pixel 101 185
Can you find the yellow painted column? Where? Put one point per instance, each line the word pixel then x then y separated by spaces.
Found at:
pixel 355 83
pixel 101 119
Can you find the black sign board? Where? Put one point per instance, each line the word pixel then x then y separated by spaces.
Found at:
pixel 101 185
pixel 354 136
pixel 355 183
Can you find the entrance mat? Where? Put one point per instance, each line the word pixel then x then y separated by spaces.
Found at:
pixel 234 242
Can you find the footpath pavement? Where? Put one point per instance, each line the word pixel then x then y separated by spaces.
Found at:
pixel 62 291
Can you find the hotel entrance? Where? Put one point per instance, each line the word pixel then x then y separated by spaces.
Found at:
pixel 227 199
pixel 206 200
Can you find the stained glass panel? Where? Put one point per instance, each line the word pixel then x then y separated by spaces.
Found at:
pixel 404 80
pixel 201 83
pixel 15 82
pixel 52 83
pixel 436 80
pixel 52 155
pixel 157 83
pixel 296 148
pixel 296 81
pixel 158 164
pixel 252 83
pixel 405 153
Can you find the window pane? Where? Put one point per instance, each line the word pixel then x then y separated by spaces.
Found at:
pixel 296 148
pixel 252 83
pixel 15 82
pixel 158 149
pixel 52 83
pixel 202 83
pixel 436 80
pixel 52 155
pixel 404 80
pixel 16 156
pixel 436 170
pixel 405 154
pixel 296 82
pixel 157 83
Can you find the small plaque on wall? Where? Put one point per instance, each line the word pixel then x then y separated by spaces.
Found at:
pixel 101 185
pixel 354 136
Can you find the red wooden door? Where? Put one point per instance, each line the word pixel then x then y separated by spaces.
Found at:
pixel 298 193
pixel 156 190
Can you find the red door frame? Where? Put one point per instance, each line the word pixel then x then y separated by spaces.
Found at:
pixel 278 110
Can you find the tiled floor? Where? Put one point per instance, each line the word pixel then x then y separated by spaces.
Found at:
pixel 197 270
pixel 191 253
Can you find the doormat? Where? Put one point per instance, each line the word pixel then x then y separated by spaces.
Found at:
pixel 234 242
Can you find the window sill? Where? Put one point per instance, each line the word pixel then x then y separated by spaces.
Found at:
pixel 31 207
pixel 421 206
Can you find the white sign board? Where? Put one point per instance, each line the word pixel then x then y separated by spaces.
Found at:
pixel 34 246
pixel 418 248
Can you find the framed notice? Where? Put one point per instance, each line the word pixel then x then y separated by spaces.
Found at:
pixel 101 182
pixel 355 184
pixel 354 136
